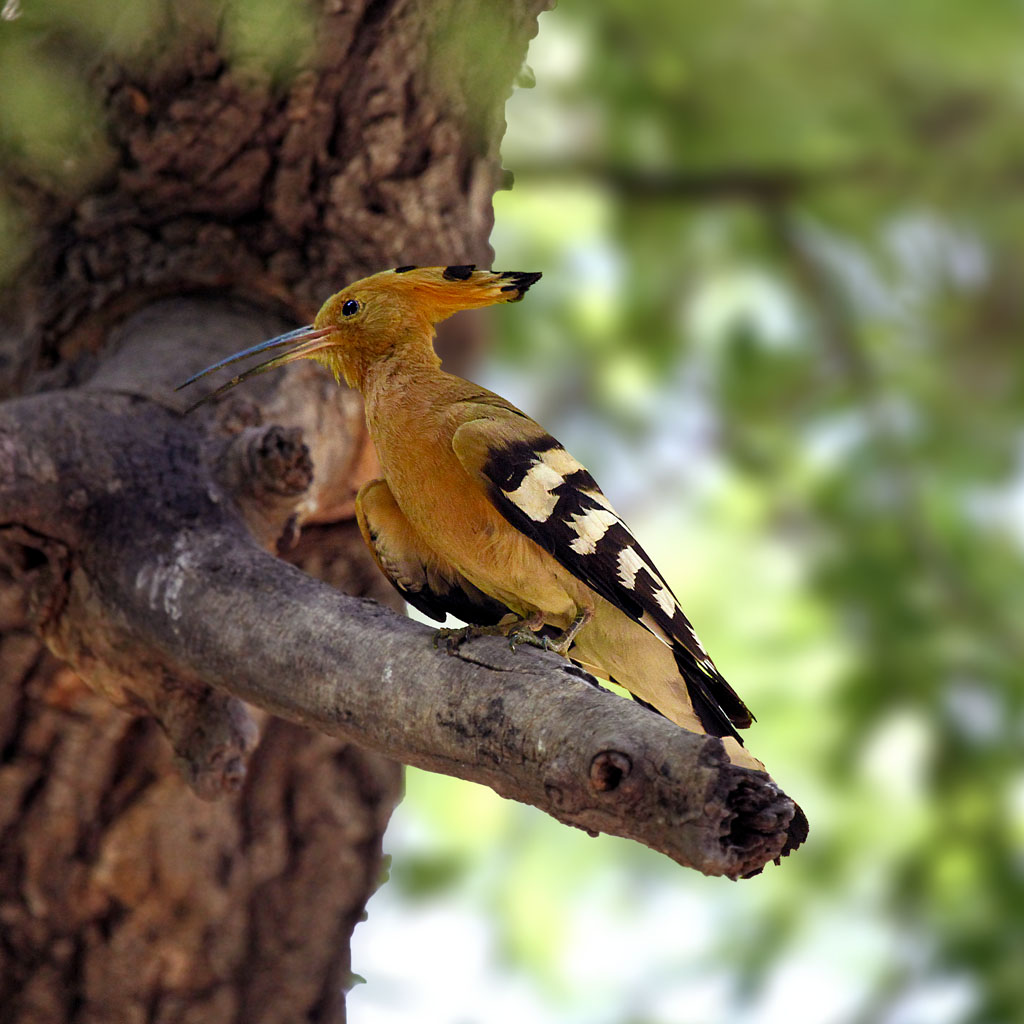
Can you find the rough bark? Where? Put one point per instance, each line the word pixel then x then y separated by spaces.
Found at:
pixel 124 895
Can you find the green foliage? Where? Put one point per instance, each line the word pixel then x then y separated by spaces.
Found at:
pixel 49 123
pixel 271 38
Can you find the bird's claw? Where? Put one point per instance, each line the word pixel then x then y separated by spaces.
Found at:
pixel 519 632
pixel 453 639
pixel 528 637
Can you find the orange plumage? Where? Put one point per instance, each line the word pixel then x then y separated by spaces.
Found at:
pixel 481 512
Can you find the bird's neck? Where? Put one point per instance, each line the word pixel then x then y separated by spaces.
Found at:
pixel 410 372
pixel 409 356
pixel 408 402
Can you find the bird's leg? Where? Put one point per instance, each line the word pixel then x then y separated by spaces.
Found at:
pixel 455 638
pixel 559 644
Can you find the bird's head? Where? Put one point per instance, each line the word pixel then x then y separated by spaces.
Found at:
pixel 367 320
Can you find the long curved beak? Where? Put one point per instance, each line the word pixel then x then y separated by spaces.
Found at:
pixel 298 344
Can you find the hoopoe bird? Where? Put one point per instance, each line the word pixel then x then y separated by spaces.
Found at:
pixel 482 513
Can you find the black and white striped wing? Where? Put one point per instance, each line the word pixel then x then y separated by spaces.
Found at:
pixel 549 496
pixel 426 580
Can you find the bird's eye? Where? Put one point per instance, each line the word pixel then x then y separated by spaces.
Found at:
pixel 350 308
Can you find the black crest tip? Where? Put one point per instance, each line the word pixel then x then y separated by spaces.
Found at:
pixel 459 272
pixel 519 282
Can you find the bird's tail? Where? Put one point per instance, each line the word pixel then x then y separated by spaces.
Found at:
pixel 657 675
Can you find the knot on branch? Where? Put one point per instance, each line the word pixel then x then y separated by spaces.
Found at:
pixel 39 566
pixel 212 735
pixel 572 783
pixel 278 461
pixel 608 769
pixel 267 469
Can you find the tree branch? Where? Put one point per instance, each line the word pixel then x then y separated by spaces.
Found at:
pixel 527 724
pixel 160 596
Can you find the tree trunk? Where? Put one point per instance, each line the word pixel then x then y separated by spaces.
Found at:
pixel 125 896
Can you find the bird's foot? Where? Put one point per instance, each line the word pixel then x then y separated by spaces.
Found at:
pixel 453 639
pixel 524 631
pixel 560 643
pixel 530 639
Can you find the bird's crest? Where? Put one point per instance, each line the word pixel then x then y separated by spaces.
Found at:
pixel 435 292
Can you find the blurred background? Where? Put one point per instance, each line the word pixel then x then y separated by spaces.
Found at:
pixel 781 322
